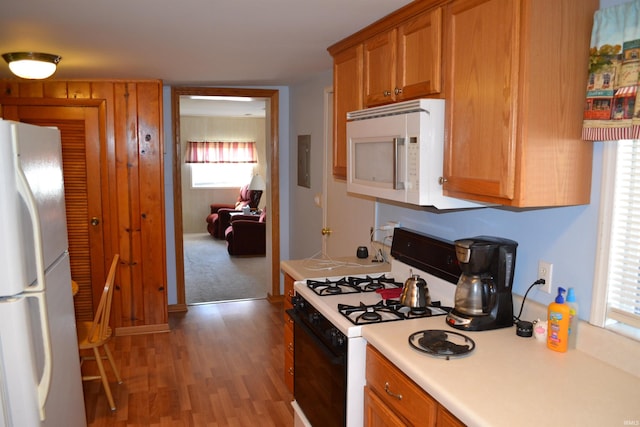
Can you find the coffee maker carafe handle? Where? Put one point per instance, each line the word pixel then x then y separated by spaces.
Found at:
pixel 488 295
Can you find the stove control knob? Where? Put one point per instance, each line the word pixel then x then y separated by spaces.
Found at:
pixel 337 338
pixel 314 318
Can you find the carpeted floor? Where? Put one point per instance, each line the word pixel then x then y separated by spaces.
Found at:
pixel 211 274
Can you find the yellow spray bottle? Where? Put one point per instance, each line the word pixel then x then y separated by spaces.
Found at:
pixel 558 317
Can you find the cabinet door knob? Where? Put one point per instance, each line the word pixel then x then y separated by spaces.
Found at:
pixel 95 221
pixel 398 91
pixel 387 93
pixel 326 231
pixel 442 180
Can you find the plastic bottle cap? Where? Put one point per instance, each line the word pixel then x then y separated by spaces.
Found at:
pixel 560 298
pixel 571 295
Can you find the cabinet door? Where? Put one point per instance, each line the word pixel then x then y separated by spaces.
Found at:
pixel 379 68
pixel 347 96
pixel 419 56
pixel 446 419
pixel 377 414
pixel 481 92
pixel 398 392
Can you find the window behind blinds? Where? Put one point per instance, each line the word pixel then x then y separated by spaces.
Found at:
pixel 623 281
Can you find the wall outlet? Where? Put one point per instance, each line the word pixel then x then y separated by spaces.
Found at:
pixel 545 271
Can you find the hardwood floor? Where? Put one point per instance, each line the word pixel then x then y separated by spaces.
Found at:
pixel 220 365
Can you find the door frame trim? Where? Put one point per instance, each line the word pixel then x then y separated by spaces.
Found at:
pixel 272 96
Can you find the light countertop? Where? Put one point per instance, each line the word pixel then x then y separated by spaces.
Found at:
pixel 337 267
pixel 508 380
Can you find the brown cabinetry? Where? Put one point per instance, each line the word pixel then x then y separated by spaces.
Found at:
pixel 393 399
pixel 113 160
pixel 288 332
pixel 513 76
pixel 514 83
pixel 404 62
pixel 347 96
pixel 394 59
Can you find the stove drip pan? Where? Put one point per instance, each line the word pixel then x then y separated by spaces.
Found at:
pixel 440 343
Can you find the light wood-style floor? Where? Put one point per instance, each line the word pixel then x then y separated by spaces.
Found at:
pixel 220 365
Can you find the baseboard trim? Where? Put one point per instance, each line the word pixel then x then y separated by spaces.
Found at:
pixel 177 308
pixel 275 299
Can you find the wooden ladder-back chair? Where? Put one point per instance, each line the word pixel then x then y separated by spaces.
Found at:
pixel 96 334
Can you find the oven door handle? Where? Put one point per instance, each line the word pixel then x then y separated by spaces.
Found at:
pixel 333 358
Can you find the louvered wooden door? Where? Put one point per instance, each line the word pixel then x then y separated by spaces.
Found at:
pixel 81 147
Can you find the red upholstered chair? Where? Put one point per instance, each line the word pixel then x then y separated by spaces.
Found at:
pixel 218 220
pixel 247 235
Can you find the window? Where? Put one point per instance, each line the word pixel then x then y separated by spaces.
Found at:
pixel 220 175
pixel 220 164
pixel 616 297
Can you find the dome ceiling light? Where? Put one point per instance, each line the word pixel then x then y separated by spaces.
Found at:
pixel 32 65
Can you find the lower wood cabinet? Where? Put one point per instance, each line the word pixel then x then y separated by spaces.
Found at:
pixel 393 399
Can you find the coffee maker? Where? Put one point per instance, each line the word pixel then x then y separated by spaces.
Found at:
pixel 483 298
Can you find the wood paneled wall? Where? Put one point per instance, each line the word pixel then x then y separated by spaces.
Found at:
pixel 131 187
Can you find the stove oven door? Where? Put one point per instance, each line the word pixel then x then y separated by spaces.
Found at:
pixel 320 378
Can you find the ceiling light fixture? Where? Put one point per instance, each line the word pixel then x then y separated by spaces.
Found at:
pixel 32 65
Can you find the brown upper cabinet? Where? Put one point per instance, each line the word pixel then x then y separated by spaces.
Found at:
pixel 347 96
pixel 394 59
pixel 404 62
pixel 515 89
pixel 513 77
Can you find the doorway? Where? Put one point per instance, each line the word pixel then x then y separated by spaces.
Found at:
pixel 273 229
pixel 83 142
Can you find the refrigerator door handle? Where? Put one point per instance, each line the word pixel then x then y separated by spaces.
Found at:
pixel 32 206
pixel 37 291
pixel 44 384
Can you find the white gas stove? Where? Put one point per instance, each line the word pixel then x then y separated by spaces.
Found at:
pixel 342 310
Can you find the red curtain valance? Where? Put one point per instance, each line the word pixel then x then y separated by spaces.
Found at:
pixel 221 152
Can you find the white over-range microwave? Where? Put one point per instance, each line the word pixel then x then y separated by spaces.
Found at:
pixel 395 152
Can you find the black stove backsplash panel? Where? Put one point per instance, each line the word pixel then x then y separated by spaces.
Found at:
pixel 427 253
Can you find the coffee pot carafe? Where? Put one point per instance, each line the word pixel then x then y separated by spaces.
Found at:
pixel 483 297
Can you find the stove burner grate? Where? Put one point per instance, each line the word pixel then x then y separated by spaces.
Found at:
pixel 388 310
pixel 370 315
pixel 331 287
pixel 364 314
pixel 352 285
pixel 371 284
pixel 441 343
pixel 419 312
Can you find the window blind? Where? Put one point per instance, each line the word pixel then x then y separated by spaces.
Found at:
pixel 623 290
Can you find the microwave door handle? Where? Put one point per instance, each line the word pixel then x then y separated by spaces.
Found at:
pixel 398 143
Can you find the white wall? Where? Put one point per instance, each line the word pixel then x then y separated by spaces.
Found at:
pixel 566 237
pixel 307 118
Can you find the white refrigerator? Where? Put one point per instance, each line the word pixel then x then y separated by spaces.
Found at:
pixel 40 380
